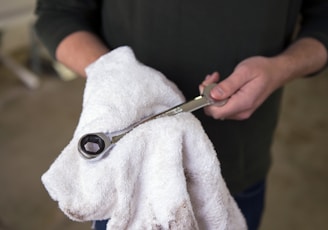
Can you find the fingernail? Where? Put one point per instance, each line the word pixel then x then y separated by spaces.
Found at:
pixel 219 91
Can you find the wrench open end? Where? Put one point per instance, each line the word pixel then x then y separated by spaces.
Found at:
pixel 207 94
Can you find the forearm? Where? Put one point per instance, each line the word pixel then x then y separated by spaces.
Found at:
pixel 305 56
pixel 80 49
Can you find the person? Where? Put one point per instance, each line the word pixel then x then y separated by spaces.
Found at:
pixel 251 49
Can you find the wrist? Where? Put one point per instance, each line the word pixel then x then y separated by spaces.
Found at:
pixel 285 68
pixel 304 57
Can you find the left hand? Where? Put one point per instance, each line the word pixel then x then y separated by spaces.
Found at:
pixel 250 84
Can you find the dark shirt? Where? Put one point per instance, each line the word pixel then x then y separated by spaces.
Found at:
pixel 187 40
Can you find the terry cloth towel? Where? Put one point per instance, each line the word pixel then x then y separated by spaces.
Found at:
pixel 164 174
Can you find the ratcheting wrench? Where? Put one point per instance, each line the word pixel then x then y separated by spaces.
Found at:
pixel 93 145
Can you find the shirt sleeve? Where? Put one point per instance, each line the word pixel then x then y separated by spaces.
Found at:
pixel 56 19
pixel 314 21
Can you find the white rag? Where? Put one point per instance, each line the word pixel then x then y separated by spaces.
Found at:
pixel 164 174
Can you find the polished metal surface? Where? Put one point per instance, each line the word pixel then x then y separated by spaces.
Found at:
pixel 94 145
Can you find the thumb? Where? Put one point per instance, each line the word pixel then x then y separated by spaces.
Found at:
pixel 210 78
pixel 228 87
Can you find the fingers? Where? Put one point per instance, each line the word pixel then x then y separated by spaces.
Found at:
pixel 238 107
pixel 229 86
pixel 251 82
pixel 210 78
pixel 235 89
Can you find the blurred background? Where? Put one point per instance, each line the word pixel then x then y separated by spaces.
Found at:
pixel 40 103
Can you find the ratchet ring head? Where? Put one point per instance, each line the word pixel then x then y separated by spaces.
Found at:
pixel 93 145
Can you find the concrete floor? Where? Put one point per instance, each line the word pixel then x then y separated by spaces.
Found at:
pixel 36 125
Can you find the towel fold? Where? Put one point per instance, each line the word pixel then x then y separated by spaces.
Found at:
pixel 164 174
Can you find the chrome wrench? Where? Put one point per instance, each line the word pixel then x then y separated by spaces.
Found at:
pixel 95 145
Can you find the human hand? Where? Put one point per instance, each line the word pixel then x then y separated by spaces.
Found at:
pixel 252 81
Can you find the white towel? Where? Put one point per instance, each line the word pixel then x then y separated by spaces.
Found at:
pixel 164 174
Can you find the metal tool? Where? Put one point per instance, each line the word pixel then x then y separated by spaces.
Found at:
pixel 95 145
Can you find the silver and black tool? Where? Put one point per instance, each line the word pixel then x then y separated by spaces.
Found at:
pixel 94 145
